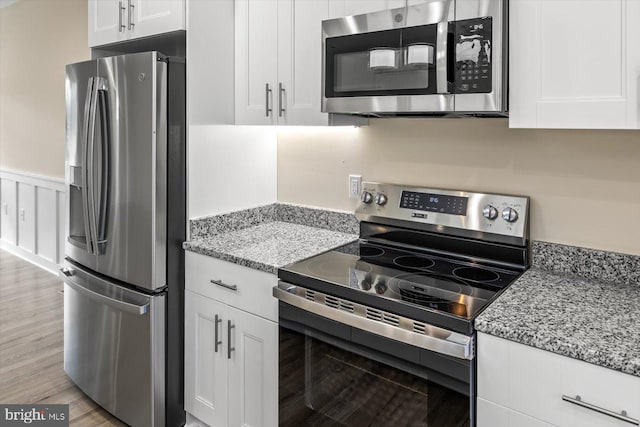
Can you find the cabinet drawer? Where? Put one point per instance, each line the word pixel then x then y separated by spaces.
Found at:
pixel 602 387
pixel 538 380
pixel 233 284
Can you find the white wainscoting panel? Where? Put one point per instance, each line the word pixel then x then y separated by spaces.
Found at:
pixel 32 217
pixel 8 194
pixel 27 217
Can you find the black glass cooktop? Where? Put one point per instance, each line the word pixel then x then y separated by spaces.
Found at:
pixel 437 284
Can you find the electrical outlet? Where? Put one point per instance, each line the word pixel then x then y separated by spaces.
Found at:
pixel 355 182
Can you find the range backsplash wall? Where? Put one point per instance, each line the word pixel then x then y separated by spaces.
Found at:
pixel 37 39
pixel 584 185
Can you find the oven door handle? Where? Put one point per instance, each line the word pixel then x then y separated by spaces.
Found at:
pixel 378 322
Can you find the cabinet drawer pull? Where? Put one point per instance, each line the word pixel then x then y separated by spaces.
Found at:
pixel 622 416
pixel 217 342
pixel 229 347
pixel 224 285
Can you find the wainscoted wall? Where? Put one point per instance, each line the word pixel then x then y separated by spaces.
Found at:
pixel 584 185
pixel 32 217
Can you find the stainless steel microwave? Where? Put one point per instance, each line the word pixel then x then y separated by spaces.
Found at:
pixel 437 57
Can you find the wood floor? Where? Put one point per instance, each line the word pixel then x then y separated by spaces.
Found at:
pixel 31 343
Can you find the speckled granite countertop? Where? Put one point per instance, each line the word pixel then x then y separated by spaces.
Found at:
pixel 565 306
pixel 267 238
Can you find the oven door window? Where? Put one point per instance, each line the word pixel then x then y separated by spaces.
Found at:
pixel 392 62
pixel 321 384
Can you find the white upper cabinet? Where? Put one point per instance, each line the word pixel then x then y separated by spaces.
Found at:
pixel 106 22
pixel 278 51
pixel 151 17
pixel 114 21
pixel 256 61
pixel 574 64
pixel 339 8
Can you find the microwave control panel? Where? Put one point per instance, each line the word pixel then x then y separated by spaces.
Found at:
pixel 473 69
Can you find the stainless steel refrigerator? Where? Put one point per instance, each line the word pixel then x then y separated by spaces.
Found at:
pixel 126 221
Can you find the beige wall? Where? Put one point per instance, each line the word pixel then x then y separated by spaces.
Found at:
pixel 37 39
pixel 584 185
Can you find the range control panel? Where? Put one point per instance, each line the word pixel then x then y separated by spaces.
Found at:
pixel 499 214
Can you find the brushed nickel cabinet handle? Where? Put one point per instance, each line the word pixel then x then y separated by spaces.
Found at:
pixel 229 347
pixel 267 93
pixel 121 26
pixel 622 416
pixel 216 342
pixel 280 99
pixel 224 285
pixel 130 15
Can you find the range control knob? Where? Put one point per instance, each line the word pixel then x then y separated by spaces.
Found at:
pixel 510 215
pixel 366 197
pixel 490 212
pixel 381 199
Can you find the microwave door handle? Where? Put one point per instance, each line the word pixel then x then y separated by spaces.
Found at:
pixel 86 126
pixel 102 184
pixel 442 52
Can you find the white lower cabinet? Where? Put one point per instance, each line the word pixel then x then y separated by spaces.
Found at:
pixel 231 355
pixel 524 386
pixel 206 367
pixel 493 415
pixel 253 371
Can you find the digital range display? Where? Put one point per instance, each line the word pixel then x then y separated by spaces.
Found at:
pixel 452 205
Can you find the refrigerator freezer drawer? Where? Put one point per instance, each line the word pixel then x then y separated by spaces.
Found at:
pixel 114 346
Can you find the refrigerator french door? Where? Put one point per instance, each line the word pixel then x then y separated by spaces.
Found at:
pixel 124 286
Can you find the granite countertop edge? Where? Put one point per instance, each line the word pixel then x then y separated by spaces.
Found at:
pixel 529 328
pixel 200 247
pixel 269 246
pixel 562 347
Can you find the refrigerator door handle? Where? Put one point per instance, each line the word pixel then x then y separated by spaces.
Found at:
pixel 103 161
pixel 89 106
pixel 117 303
pixel 99 84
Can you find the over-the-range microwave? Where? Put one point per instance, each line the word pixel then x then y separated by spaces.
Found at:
pixel 437 57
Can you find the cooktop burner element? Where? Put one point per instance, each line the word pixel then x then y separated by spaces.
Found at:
pixel 413 261
pixel 476 274
pixel 435 256
pixel 370 251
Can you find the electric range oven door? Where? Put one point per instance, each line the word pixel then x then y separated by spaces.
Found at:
pixel 334 374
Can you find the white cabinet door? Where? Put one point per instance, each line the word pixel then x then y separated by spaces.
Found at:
pixel 150 17
pixel 253 371
pixel 107 21
pixel 340 8
pixel 574 64
pixel 300 61
pixel 256 59
pixel 205 372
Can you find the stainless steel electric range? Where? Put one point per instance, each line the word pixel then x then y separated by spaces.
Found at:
pixel 380 332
